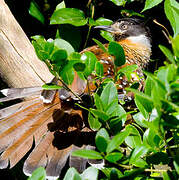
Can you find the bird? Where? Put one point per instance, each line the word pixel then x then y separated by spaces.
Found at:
pixel 49 120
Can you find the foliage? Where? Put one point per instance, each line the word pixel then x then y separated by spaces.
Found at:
pixel 138 150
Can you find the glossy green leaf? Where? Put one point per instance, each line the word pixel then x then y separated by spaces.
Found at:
pixel 134 139
pixel 111 108
pixel 107 172
pixel 102 139
pixel 116 49
pixel 51 87
pixel 99 114
pixel 72 16
pixel 60 6
pixel 113 157
pixel 107 35
pixel 109 94
pixel 117 140
pixel 93 122
pixel 62 44
pixel 91 173
pixel 150 4
pixel 167 53
pixel 100 45
pixel 103 21
pixel 172 12
pixel 127 70
pixel 72 174
pixel 89 154
pixel 144 105
pixel 140 120
pixel 67 73
pixel 175 42
pixel 138 152
pixel 119 2
pixel 40 40
pixel 99 69
pixel 38 174
pixel 98 102
pixel 59 57
pixel 90 60
pixel 151 138
pixel 34 11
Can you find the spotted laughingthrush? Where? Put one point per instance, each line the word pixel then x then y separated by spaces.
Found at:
pixel 33 119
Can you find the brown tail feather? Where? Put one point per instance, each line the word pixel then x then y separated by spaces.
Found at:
pixel 46 155
pixel 18 137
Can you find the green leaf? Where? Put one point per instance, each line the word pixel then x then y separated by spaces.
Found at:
pixel 151 138
pixel 127 70
pixel 113 157
pixel 148 86
pixel 79 66
pixel 144 105
pixel 150 4
pixel 89 154
pixel 90 60
pixel 62 44
pixel 59 57
pixel 175 42
pixel 93 122
pixel 34 11
pixel 111 107
pixel 60 6
pixel 172 12
pixel 109 94
pixel 140 120
pixel 117 140
pixel 119 2
pixel 98 102
pixel 99 69
pixel 134 139
pixel 138 152
pixel 38 174
pixel 51 87
pixel 67 73
pixel 40 40
pixel 103 21
pixel 72 174
pixel 102 139
pixel 107 35
pixel 167 53
pixel 99 114
pixel 90 173
pixel 116 49
pixel 107 172
pixel 100 45
pixel 72 16
pixel 49 46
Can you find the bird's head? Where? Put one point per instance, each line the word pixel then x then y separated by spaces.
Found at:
pixel 132 29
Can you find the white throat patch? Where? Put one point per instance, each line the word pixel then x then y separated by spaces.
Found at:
pixel 140 39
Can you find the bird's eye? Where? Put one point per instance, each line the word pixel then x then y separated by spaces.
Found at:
pixel 124 26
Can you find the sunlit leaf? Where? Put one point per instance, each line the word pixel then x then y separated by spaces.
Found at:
pixel 38 174
pixel 150 4
pixel 72 16
pixel 85 153
pixel 34 11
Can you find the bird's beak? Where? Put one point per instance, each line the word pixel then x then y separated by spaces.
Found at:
pixel 106 28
